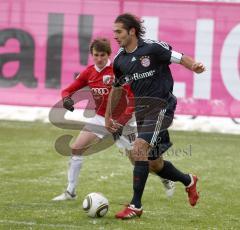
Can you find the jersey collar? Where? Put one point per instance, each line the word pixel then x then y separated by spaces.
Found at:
pixel 99 70
pixel 140 43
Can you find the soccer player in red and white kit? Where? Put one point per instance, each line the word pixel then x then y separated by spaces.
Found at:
pixel 99 78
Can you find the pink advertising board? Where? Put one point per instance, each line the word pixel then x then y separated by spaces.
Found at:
pixel 43 43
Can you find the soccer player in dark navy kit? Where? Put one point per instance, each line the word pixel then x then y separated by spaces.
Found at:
pixel 144 65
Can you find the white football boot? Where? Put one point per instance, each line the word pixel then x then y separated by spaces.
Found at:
pixel 169 187
pixel 65 196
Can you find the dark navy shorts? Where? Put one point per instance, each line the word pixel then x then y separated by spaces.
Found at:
pixel 153 122
pixel 161 146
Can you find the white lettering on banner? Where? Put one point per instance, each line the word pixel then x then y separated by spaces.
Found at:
pixel 202 84
pixel 229 62
pixel 179 89
pixel 204 49
pixel 152 25
pixel 204 53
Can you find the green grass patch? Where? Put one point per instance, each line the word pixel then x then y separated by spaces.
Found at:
pixel 32 173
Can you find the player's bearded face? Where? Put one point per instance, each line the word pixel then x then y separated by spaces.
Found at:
pixel 121 35
pixel 100 59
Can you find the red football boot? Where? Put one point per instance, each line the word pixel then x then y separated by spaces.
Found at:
pixel 193 195
pixel 129 212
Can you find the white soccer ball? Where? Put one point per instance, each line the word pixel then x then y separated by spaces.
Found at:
pixel 95 204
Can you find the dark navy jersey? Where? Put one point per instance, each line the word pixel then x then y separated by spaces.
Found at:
pixel 146 69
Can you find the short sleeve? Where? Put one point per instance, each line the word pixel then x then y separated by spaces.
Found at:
pixel 162 51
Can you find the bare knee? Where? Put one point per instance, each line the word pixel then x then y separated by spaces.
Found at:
pixel 140 150
pixel 76 150
pixel 84 141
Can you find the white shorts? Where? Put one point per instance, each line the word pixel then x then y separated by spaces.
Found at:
pixel 96 125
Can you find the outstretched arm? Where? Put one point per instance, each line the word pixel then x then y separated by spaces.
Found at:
pixel 190 64
pixel 66 93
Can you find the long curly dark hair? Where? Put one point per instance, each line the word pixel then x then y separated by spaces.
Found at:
pixel 130 21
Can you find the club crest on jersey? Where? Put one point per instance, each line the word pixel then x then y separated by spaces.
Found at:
pixel 145 61
pixel 107 79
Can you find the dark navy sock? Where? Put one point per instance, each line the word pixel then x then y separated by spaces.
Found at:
pixel 140 175
pixel 171 173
